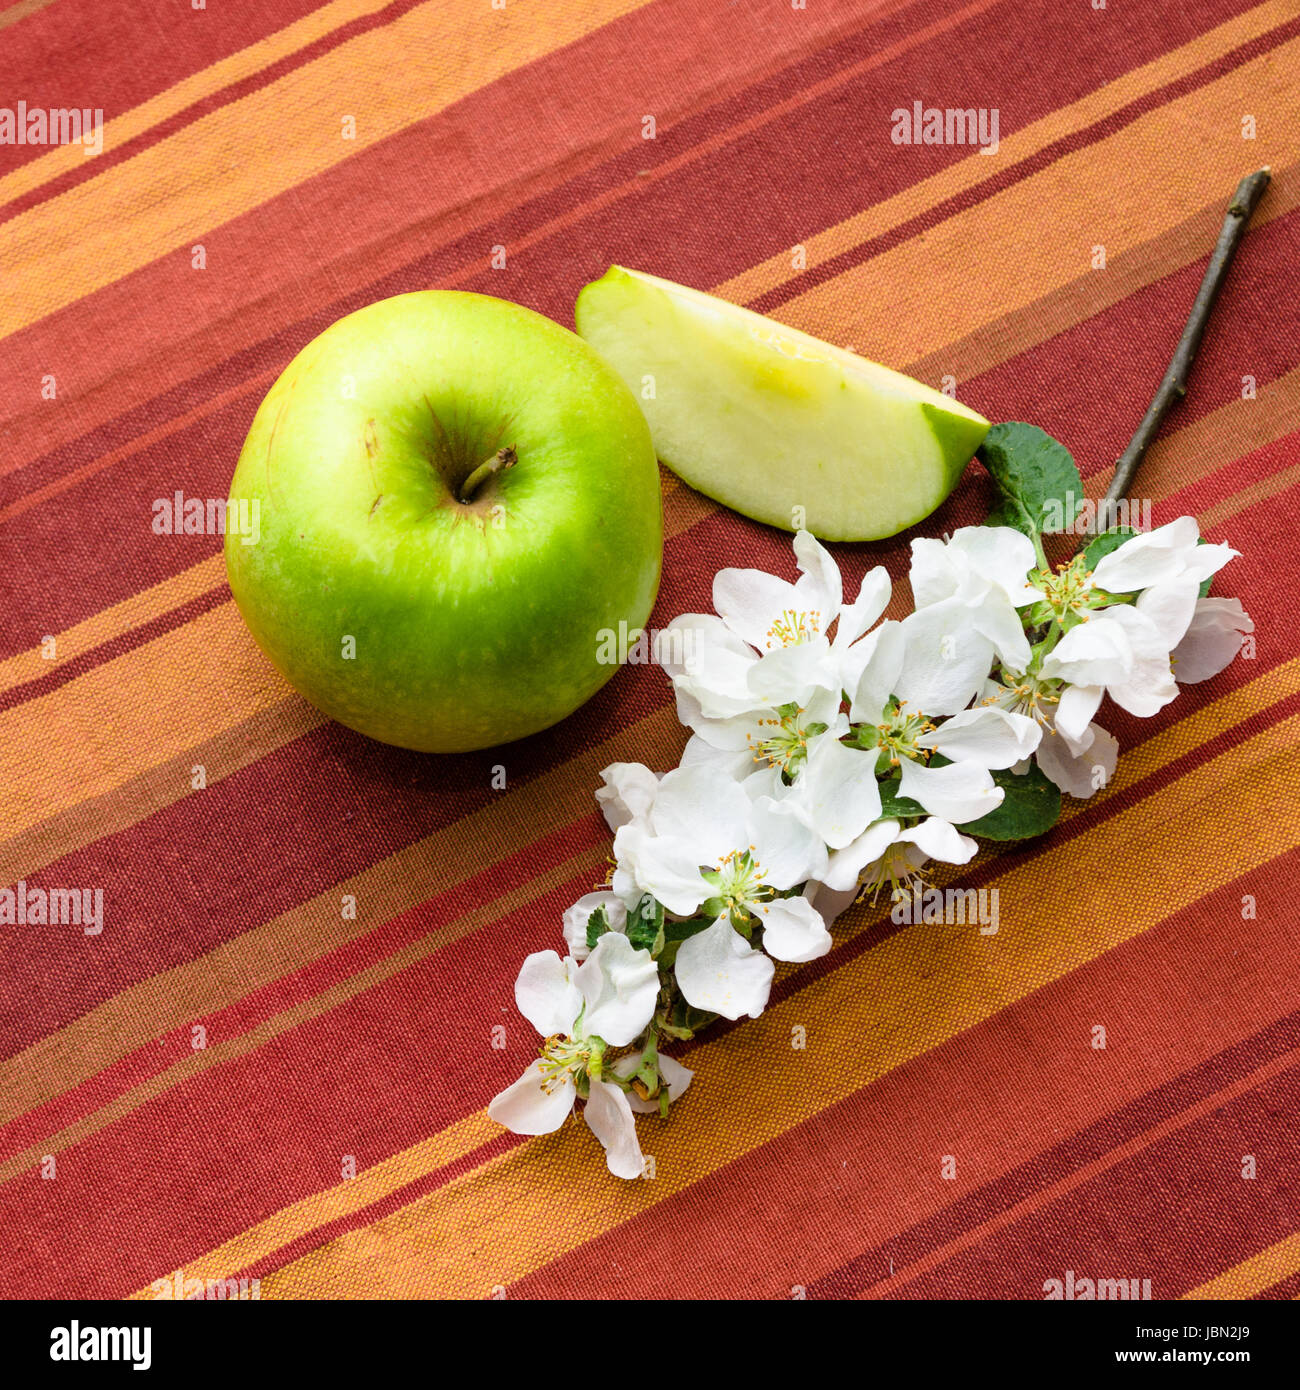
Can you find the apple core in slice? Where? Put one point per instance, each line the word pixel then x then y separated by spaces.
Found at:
pixel 774 423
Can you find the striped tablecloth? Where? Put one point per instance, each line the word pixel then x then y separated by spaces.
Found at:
pixel 233 1079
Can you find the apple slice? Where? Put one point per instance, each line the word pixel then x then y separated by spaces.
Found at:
pixel 776 424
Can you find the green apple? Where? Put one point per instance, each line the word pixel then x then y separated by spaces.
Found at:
pixel 456 500
pixel 776 424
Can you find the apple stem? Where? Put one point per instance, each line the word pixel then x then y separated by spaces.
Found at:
pixel 1174 385
pixel 498 463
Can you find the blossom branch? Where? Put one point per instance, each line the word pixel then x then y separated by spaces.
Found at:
pixel 1174 385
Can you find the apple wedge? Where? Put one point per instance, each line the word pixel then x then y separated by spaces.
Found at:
pixel 776 424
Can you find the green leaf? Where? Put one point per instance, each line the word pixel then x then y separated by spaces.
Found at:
pixel 683 1021
pixel 1036 476
pixel 1204 590
pixel 1031 806
pixel 597 926
pixel 893 806
pixel 1102 545
pixel 645 924
pixel 677 932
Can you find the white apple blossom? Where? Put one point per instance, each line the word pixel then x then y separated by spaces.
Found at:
pixel 967 593
pixel 1124 650
pixel 579 1009
pixel 975 740
pixel 710 845
pixel 887 853
pixel 627 793
pixel 772 643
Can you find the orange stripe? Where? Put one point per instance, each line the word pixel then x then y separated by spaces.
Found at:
pixel 949 285
pixel 313 929
pixel 1254 1275
pixel 270 1028
pixel 1055 1192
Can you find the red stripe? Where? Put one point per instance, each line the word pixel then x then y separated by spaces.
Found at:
pixel 225 96
pixel 1177 1213
pixel 83 53
pixel 1017 173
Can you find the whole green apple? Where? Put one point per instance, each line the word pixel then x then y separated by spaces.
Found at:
pixel 454 501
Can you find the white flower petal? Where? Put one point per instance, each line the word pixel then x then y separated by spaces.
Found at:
pixel 545 993
pixel 718 970
pixel 1077 705
pixel 831 903
pixel 988 737
pixel 820 588
pixel 665 865
pixel 946 657
pixel 933 575
pixel 836 793
pixel 576 917
pixel 694 804
pixel 788 851
pixel 870 669
pixel 1212 640
pixel 1000 554
pixel 1096 652
pixel 788 675
pixel 871 602
pixel 610 1119
pixel 1148 558
pixel 959 792
pixel 716 663
pixel 1148 685
pixel 528 1108
pixel 1170 606
pixel 1204 560
pixel 749 601
pixel 620 985
pixel 939 839
pixel 794 930
pixel 627 794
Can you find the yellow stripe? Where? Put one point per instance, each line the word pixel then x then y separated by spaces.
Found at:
pixel 914 991
pixel 120 130
pixel 111 623
pixel 311 1213
pixel 1254 1275
pixel 132 714
pixel 239 157
pixel 1022 144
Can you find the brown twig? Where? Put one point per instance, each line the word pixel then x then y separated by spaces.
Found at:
pixel 1174 386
